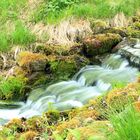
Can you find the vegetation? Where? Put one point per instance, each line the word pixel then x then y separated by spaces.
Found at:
pixel 31 55
pixel 53 11
pixel 12 88
pixel 122 124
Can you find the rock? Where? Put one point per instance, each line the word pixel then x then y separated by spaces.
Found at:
pixel 100 44
pixel 118 99
pixel 59 50
pixel 117 30
pixel 133 32
pixel 98 26
pixel 130 49
pixel 32 62
pixel 64 67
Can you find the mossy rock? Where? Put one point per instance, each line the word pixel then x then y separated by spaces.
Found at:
pixel 132 32
pixel 64 67
pixel 118 99
pixel 37 78
pixel 101 43
pixel 136 18
pixel 29 135
pixel 117 30
pixel 98 26
pixel 35 123
pixel 15 125
pixel 32 62
pixel 59 50
pixel 127 41
pixel 136 25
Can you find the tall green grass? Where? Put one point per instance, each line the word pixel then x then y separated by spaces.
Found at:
pixel 9 9
pixel 17 34
pixel 126 125
pixel 4 43
pixel 20 35
pixel 54 11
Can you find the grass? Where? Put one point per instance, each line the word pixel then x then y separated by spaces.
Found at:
pixel 9 9
pixel 13 31
pixel 54 11
pixel 12 88
pixel 20 35
pixel 4 43
pixel 126 125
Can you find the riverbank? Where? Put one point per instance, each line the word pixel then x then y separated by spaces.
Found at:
pixel 43 45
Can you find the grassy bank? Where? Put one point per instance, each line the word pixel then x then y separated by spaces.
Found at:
pixel 54 11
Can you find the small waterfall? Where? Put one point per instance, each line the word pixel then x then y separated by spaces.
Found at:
pixel 132 53
pixel 89 82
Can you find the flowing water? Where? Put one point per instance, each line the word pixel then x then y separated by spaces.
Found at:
pixel 89 82
pixel 132 53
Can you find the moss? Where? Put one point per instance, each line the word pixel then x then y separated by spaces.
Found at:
pixel 64 67
pixel 136 25
pixel 32 61
pixel 96 130
pixel 15 125
pixel 59 50
pixel 98 26
pixel 119 99
pixel 52 116
pixel 56 50
pixel 73 123
pixel 117 30
pixel 29 135
pixel 100 43
pixel 19 71
pixel 35 124
pixel 133 32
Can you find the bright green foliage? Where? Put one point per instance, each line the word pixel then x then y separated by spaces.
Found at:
pixel 9 9
pixel 126 125
pixel 53 11
pixel 4 43
pixel 21 35
pixel 13 31
pixel 12 88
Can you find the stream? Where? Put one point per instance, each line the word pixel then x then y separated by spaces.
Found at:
pixel 89 82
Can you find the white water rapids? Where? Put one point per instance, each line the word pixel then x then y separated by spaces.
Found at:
pixel 89 82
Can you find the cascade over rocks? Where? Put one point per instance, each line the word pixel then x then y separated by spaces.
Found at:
pixel 130 49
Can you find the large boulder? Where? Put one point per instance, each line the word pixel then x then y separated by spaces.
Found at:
pixel 101 43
